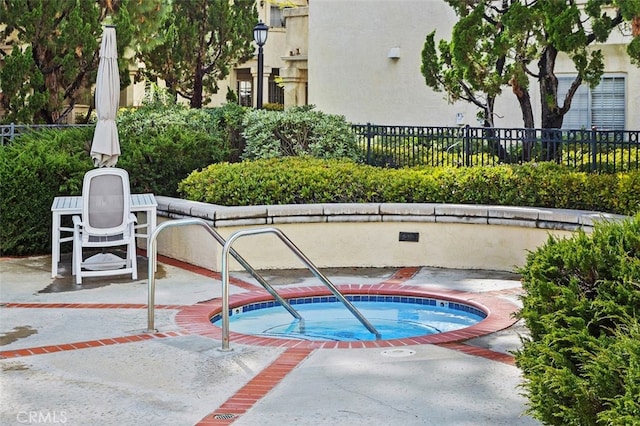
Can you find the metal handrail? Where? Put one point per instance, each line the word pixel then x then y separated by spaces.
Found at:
pixel 151 281
pixel 225 280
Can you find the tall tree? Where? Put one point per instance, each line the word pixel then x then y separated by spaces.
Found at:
pixel 528 35
pixel 466 69
pixel 203 39
pixel 54 47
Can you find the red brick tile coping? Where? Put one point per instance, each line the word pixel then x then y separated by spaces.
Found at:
pixel 196 319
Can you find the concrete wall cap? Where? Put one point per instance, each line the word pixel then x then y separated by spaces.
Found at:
pixel 545 218
pixel 408 209
pixel 351 209
pixel 242 212
pixel 509 212
pixel 461 210
pixel 295 210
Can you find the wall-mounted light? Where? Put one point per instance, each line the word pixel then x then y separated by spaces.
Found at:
pixel 394 53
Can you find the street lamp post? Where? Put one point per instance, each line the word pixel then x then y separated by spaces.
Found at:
pixel 260 32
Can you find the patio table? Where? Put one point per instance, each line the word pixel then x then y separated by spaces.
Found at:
pixel 72 205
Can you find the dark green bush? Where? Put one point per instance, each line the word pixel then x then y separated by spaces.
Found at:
pixel 159 149
pixel 227 119
pixel 34 169
pixel 582 362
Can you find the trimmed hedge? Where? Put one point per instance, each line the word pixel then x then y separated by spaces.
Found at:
pixel 306 180
pixel 582 304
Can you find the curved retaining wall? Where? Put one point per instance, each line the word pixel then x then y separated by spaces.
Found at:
pixel 370 235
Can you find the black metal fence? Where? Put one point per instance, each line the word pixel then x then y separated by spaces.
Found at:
pixel 408 146
pixel 588 150
pixel 10 131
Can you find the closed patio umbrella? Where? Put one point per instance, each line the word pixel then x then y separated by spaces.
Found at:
pixel 105 148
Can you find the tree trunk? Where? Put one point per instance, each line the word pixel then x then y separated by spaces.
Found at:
pixel 489 132
pixel 524 99
pixel 552 114
pixel 196 99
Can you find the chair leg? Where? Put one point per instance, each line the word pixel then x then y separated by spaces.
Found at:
pixel 77 259
pixel 133 259
pixel 73 256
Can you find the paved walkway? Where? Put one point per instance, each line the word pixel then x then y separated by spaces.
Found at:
pixel 82 356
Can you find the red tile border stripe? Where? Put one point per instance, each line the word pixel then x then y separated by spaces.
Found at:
pixel 402 275
pixel 256 388
pixel 86 305
pixel 481 352
pixel 18 353
pixel 202 271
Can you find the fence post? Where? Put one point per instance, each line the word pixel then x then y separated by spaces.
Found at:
pixel 593 148
pixel 12 128
pixel 369 143
pixel 467 145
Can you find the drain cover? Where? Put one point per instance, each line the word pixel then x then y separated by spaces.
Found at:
pixel 398 353
pixel 224 416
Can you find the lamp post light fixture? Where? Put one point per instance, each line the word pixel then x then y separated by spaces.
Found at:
pixel 260 32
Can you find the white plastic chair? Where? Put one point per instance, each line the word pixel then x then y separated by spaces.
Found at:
pixel 106 222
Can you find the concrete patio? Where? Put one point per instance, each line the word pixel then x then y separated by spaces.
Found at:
pixel 83 356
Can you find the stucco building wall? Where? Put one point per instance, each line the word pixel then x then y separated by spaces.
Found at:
pixel 351 74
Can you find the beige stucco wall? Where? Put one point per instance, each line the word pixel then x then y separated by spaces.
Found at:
pixel 367 235
pixel 374 244
pixel 350 73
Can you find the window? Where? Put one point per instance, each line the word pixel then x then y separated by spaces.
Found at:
pixel 276 17
pixel 602 107
pixel 276 93
pixel 245 91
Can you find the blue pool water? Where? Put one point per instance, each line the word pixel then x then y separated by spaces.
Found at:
pixel 394 317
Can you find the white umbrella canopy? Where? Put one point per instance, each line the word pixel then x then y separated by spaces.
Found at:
pixel 105 148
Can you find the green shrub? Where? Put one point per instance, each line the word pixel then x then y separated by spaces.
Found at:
pixel 227 119
pixel 297 131
pixel 161 146
pixel 427 151
pixel 582 362
pixel 273 107
pixel 281 181
pixel 300 180
pixel 35 168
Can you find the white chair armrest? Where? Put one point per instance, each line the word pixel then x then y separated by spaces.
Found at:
pixel 77 221
pixel 133 218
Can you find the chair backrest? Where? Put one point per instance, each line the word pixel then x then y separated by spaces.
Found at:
pixel 105 201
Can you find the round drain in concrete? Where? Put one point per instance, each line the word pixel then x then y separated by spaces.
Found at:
pixel 398 353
